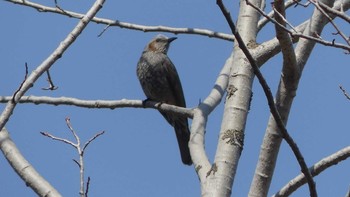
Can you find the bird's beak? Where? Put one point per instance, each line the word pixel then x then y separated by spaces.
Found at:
pixel 171 39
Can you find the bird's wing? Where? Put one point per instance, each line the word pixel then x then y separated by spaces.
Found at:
pixel 174 83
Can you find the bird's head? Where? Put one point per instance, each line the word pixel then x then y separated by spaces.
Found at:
pixel 160 44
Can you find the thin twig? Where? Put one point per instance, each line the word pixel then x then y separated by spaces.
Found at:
pixel 334 11
pixel 104 29
pixel 80 151
pixel 19 88
pixel 297 34
pixel 51 59
pixel 271 102
pixel 344 92
pixel 331 21
pixel 49 79
pixel 87 187
pixel 90 140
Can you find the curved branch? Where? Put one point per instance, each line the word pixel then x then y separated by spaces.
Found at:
pixel 109 22
pixel 200 118
pixel 315 170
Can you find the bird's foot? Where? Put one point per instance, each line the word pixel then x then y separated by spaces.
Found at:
pixel 144 102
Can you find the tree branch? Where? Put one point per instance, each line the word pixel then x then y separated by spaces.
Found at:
pixel 200 117
pixel 315 38
pixel 44 66
pixel 315 170
pixel 317 5
pixel 335 12
pixel 111 104
pixel 265 20
pixel 23 168
pixel 271 102
pixel 109 22
pixel 80 150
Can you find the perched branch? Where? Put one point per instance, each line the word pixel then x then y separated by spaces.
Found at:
pixel 315 170
pixel 109 22
pixel 80 150
pixel 111 104
pixel 271 102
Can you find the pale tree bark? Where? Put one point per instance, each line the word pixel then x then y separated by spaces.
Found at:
pixel 231 139
pixel 13 155
pixel 291 73
pixel 235 79
pixel 24 169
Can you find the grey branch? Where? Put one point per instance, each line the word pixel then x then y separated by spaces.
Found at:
pixel 50 60
pixel 109 22
pixel 80 151
pixel 314 38
pixel 315 170
pixel 24 169
pixel 111 104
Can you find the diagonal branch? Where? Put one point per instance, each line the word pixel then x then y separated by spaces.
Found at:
pixel 315 170
pixel 335 12
pixel 23 168
pixel 46 64
pixel 270 100
pixel 314 38
pixel 317 5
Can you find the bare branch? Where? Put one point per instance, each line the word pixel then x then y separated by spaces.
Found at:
pixel 58 139
pixel 111 104
pixel 51 85
pixel 344 92
pixel 90 140
pixel 144 28
pixel 87 187
pixel 331 21
pixel 265 20
pixel 23 168
pixel 271 102
pixel 25 78
pixel 297 34
pixel 315 170
pixel 80 151
pixel 335 12
pixel 46 64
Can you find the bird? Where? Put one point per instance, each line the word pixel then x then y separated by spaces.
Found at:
pixel 161 83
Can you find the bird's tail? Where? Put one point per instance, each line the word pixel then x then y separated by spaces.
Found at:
pixel 183 137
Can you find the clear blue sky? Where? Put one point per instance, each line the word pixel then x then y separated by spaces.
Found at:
pixel 138 154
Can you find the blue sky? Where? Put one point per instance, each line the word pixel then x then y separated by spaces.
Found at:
pixel 138 154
